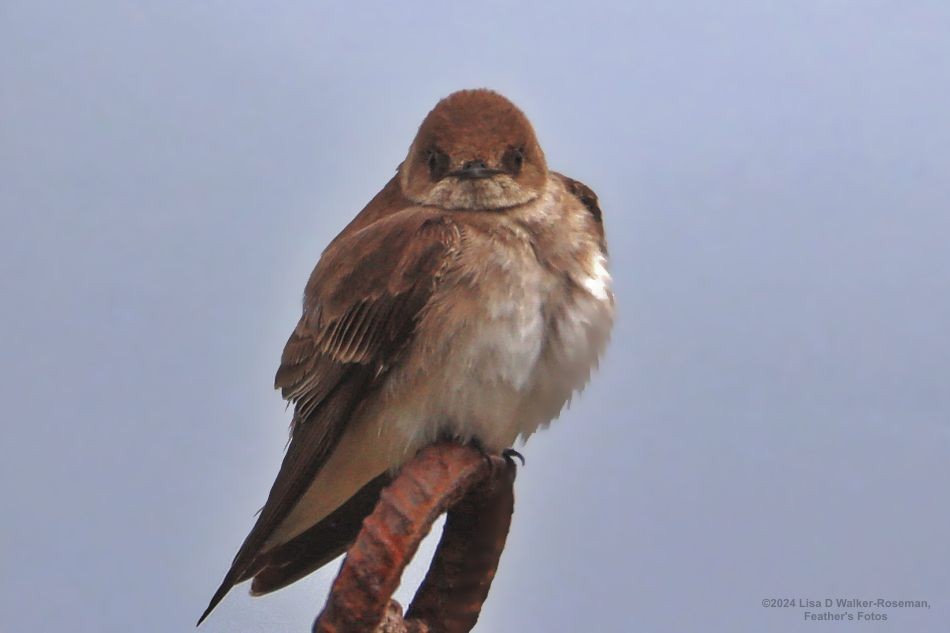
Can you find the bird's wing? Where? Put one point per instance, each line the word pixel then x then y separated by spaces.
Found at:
pixel 361 307
pixel 589 199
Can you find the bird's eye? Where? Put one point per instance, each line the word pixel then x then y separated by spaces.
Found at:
pixel 513 160
pixel 437 162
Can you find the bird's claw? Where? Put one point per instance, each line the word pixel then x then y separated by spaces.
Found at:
pixel 509 454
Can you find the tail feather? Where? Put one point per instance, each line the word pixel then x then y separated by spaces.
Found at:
pixel 319 545
pixel 312 444
pixel 306 553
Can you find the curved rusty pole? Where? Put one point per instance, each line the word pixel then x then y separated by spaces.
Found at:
pixel 477 492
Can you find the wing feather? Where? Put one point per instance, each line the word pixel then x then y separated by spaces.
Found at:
pixel 360 310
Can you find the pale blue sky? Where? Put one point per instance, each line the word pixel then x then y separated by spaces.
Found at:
pixel 771 420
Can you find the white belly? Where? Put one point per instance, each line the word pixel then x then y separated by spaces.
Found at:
pixel 508 369
pixel 580 332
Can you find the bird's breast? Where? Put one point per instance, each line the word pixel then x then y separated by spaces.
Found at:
pixel 500 348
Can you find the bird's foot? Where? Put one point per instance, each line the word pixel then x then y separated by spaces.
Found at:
pixel 485 453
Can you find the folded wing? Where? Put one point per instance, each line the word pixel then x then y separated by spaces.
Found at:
pixel 361 307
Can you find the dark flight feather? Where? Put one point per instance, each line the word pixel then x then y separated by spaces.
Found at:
pixel 320 544
pixel 358 316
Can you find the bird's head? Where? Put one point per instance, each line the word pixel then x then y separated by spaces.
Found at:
pixel 475 150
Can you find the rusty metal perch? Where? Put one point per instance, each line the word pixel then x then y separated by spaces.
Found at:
pixel 476 491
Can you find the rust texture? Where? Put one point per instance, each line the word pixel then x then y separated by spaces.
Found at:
pixel 477 492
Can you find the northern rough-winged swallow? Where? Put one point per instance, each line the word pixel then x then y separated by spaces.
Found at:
pixel 469 299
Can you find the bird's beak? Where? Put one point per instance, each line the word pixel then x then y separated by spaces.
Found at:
pixel 474 170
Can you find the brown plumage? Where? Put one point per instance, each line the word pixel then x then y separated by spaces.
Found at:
pixel 340 349
pixel 468 298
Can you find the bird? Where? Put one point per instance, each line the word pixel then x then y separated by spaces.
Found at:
pixel 470 299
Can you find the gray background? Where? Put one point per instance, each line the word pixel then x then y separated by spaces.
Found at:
pixel 771 419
